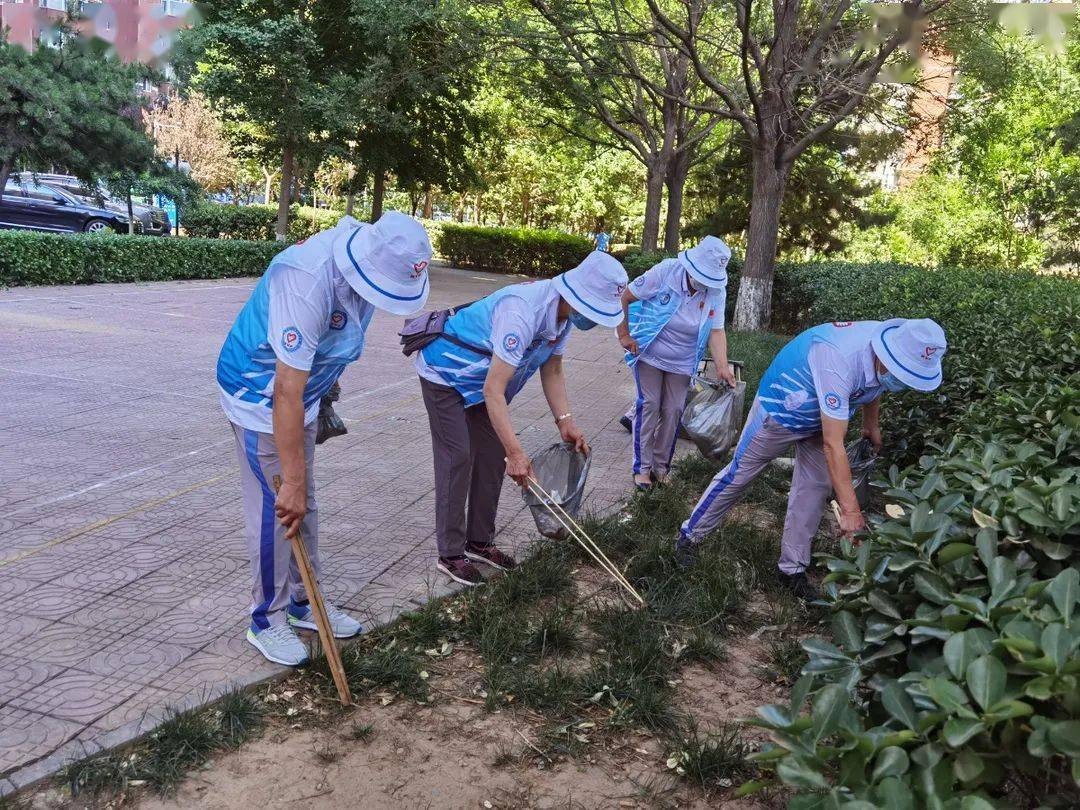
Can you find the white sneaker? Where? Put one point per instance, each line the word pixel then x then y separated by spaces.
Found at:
pixel 344 625
pixel 279 644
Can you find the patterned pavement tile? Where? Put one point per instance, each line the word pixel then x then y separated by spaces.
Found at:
pixel 54 601
pixel 116 614
pixel 27 736
pixel 65 644
pixel 81 697
pixel 137 659
pixel 18 676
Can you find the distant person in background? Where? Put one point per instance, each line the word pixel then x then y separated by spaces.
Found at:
pixel 601 239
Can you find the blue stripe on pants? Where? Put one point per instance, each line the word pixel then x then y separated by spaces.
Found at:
pixel 266 532
pixel 638 407
pixel 728 475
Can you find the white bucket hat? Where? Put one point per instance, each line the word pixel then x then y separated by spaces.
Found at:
pixel 707 261
pixel 594 288
pixel 387 263
pixel 912 348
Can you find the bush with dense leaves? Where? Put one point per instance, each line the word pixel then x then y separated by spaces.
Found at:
pixel 541 254
pixel 951 676
pixel 254 222
pixel 28 258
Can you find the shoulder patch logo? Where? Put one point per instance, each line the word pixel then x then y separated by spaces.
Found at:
pixel 338 319
pixel 291 339
pixel 511 342
pixel 832 401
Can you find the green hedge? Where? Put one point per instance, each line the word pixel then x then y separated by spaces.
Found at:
pixel 510 250
pixel 951 672
pixel 254 222
pixel 35 258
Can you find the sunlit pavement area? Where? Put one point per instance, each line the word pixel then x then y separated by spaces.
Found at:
pixel 122 568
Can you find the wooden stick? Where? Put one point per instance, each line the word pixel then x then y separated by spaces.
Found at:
pixel 582 532
pixel 318 607
pixel 598 555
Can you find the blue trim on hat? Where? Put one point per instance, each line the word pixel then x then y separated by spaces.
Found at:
pixel 372 284
pixel 586 303
pixel 896 360
pixel 686 253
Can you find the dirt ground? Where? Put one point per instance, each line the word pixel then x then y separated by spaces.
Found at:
pixel 454 753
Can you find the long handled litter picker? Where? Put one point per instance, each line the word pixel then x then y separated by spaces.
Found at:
pixel 318 607
pixel 582 538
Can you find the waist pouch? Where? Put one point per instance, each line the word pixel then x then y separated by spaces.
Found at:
pixel 428 327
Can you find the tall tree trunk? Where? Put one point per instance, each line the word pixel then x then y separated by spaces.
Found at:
pixel 429 211
pixel 378 192
pixel 349 202
pixel 281 227
pixel 268 183
pixel 476 213
pixel 654 195
pixel 459 215
pixel 130 212
pixel 754 305
pixel 5 172
pixel 676 185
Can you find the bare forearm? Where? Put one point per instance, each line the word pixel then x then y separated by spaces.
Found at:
pixel 499 414
pixel 840 474
pixel 718 347
pixel 553 382
pixel 288 421
pixel 871 413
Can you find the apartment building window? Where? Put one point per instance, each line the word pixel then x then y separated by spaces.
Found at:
pixel 55 5
pixel 177 8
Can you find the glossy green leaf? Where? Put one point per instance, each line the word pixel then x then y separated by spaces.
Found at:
pixel 965 647
pixel 954 551
pixel 800 773
pixel 1064 589
pixel 828 709
pixel 958 731
pixel 898 703
pixel 891 761
pixel 893 793
pixel 1065 737
pixel 986 680
pixel 1056 642
pixel 846 630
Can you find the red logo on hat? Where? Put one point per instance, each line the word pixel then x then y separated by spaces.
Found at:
pixel 418 269
pixel 929 352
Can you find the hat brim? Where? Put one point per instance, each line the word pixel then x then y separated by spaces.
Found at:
pixel 351 257
pixel 593 310
pixel 712 282
pixel 894 362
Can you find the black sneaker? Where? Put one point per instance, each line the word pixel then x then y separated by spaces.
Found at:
pixel 799 585
pixel 624 420
pixel 491 556
pixel 460 570
pixel 686 551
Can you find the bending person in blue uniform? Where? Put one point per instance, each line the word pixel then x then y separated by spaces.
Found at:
pixel 305 321
pixel 805 399
pixel 673 311
pixel 469 375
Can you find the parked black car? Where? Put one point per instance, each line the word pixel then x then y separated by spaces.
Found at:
pixel 29 206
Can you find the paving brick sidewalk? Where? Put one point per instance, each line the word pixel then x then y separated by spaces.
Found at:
pixel 123 569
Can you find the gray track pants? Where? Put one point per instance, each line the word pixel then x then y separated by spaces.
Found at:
pixel 275 577
pixel 661 398
pixel 469 465
pixel 763 440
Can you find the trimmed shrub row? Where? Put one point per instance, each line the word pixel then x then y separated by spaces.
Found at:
pixel 541 254
pixel 28 258
pixel 254 222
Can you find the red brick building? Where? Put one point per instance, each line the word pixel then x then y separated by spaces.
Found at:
pixel 137 30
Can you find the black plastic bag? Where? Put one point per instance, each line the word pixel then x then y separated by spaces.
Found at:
pixel 329 423
pixel 562 472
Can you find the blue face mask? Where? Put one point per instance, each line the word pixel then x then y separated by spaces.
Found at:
pixel 890 381
pixel 581 322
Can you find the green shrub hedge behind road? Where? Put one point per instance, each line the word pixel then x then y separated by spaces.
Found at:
pixel 541 254
pixel 254 222
pixel 28 258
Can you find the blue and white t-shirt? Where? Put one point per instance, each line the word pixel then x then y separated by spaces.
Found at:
pixel 303 313
pixel 518 324
pixel 828 369
pixel 671 323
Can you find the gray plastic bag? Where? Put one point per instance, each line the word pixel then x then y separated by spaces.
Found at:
pixel 561 472
pixel 863 458
pixel 713 416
